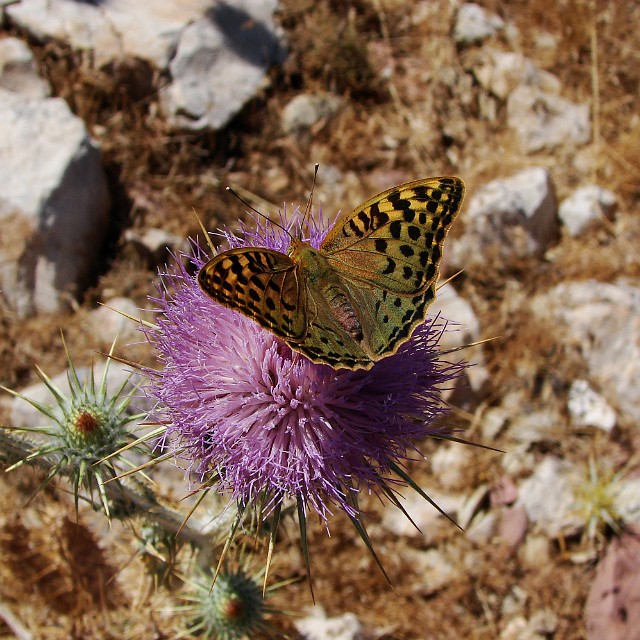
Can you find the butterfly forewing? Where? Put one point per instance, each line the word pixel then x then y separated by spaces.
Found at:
pixel 262 284
pixel 394 240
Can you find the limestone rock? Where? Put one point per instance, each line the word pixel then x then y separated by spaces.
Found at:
pixel 110 30
pixel 475 24
pixel 316 626
pixel 545 120
pixel 500 72
pixel 602 321
pixel 53 205
pixel 18 71
pixel 588 408
pixel 584 207
pixel 548 498
pixel 220 63
pixel 305 110
pixel 507 219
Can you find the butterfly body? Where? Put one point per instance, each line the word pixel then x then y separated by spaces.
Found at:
pixel 359 296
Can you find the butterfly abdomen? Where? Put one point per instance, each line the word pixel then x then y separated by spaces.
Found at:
pixel 323 279
pixel 342 310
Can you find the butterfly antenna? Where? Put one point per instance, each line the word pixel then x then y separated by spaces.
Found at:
pixel 307 211
pixel 267 218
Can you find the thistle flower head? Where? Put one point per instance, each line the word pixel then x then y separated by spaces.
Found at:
pixel 269 424
pixel 81 430
pixel 232 609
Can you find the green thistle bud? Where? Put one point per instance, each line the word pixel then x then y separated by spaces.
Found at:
pixel 84 432
pixel 232 609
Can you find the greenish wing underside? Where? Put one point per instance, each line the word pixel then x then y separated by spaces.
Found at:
pixel 263 285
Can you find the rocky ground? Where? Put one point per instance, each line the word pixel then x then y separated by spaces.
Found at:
pixel 533 105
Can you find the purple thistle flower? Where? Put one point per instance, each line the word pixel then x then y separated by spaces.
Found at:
pixel 264 421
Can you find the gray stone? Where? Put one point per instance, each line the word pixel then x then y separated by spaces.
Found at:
pixel 475 24
pixel 220 63
pixel 507 219
pixel 626 499
pixel 549 499
pixel 316 626
pixel 434 569
pixel 588 408
pixel 303 111
pixel 602 321
pixel 545 120
pixel 53 205
pixel 155 245
pixel 111 30
pixel 500 72
pixel 472 505
pixel 535 426
pixel 535 552
pixel 423 515
pixel 18 71
pixel 492 423
pixel 584 207
pixel 463 328
pixel 449 463
pixel 110 321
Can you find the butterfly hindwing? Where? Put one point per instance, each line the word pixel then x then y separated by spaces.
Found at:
pixel 260 283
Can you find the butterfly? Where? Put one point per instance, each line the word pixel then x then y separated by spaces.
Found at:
pixel 357 298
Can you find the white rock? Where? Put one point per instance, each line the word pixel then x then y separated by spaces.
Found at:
pixel 544 622
pixel 534 426
pixel 305 110
pixel 492 423
pixel 434 569
pixel 472 505
pixel 549 499
pixel 474 24
pixel 449 463
pixel 53 205
pixel 465 325
pixel 500 72
pixel 483 527
pixel 626 500
pixel 545 120
pixel 463 328
pixel 18 71
pixel 535 552
pixel 111 30
pixel 111 321
pixel 588 408
pixel 316 626
pixel 518 460
pixel 426 517
pixel 507 219
pixel 514 602
pixel 221 62
pixel 584 207
pixel 602 320
pixel 155 244
pixel 516 629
